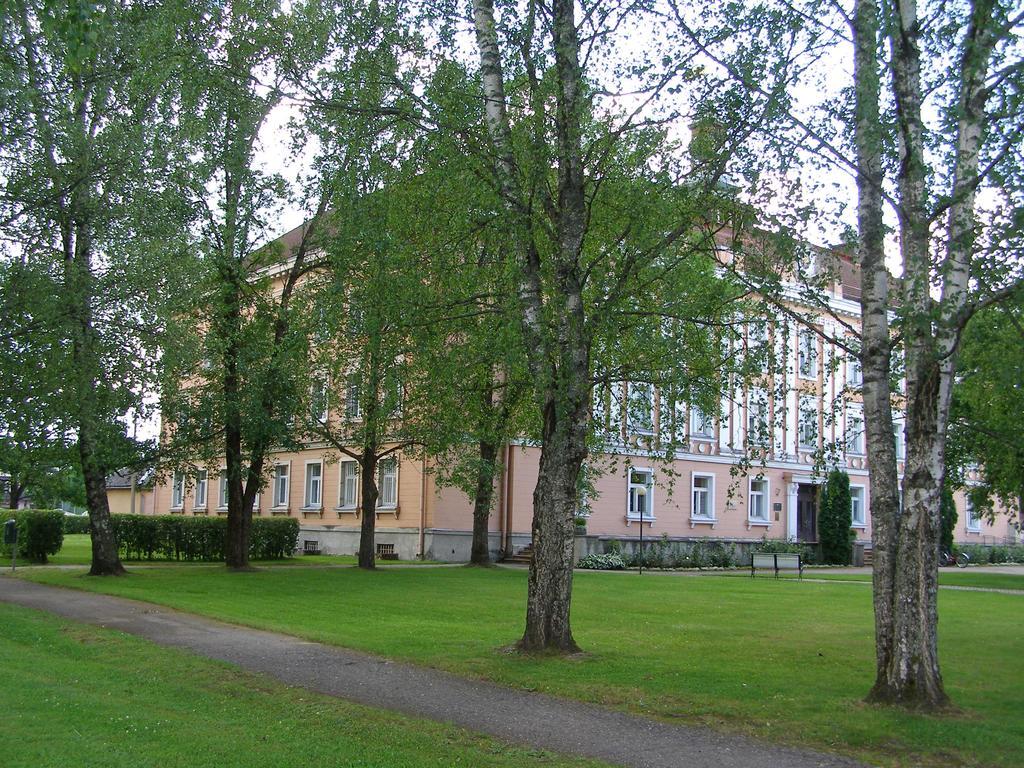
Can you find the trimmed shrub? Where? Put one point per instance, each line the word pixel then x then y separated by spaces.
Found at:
pixel 606 562
pixel 40 532
pixel 835 532
pixel 947 509
pixel 176 537
pixel 75 524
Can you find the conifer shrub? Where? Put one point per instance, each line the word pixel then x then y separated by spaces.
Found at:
pixel 835 520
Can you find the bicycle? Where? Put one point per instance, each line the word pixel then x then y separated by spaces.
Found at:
pixel 960 559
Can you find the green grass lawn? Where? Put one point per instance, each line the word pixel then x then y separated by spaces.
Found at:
pixel 74 695
pixel 783 660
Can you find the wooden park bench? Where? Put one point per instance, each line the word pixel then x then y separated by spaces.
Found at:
pixel 782 561
pixel 310 547
pixel 386 552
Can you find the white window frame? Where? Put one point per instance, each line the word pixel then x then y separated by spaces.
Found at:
pixel 702 426
pixel 222 488
pixel 858 494
pixel 807 354
pixel 803 409
pixel 640 404
pixel 353 408
pixel 757 405
pixel 971 517
pixel 319 388
pixel 635 489
pixel 201 492
pixel 275 495
pixel 308 502
pixel 898 427
pixel 765 496
pixel 854 372
pixel 709 492
pixel 178 490
pixel 382 502
pixel 855 440
pixel 758 339
pixel 341 484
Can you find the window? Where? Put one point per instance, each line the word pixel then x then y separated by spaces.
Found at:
pixel 641 494
pixel 353 410
pixel 348 485
pixel 807 342
pixel 703 494
pixel 854 373
pixel 901 446
pixel 177 491
pixel 757 344
pixel 701 425
pixel 314 484
pixel 758 511
pixel 807 428
pixel 387 482
pixel 757 417
pixel 222 495
pixel 855 433
pixel 318 400
pixel 857 505
pixel 640 413
pixel 281 485
pixel 200 500
pixel 973 518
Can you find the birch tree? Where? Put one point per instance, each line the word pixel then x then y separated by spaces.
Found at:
pixel 579 286
pixel 85 202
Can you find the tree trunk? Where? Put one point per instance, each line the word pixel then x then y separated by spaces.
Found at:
pixel 239 523
pixel 481 551
pixel 15 492
pixel 368 489
pixel 554 510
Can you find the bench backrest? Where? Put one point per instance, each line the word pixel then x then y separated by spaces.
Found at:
pixel 763 561
pixel 786 560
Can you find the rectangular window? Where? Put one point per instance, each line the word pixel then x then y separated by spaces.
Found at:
pixel 318 400
pixel 353 409
pixel 640 413
pixel 857 505
pixel 348 484
pixel 807 428
pixel 901 446
pixel 854 373
pixel 222 495
pixel 177 491
pixel 855 433
pixel 200 500
pixel 808 354
pixel 759 500
pixel 281 485
pixel 757 417
pixel 758 346
pixel 703 495
pixel 387 482
pixel 314 484
pixel 701 425
pixel 973 518
pixel 641 494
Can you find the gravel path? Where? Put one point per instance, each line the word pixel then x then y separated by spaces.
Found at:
pixel 515 716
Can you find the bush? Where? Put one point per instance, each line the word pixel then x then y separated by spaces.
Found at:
pixel 834 520
pixel 175 537
pixel 40 532
pixel 947 510
pixel 606 562
pixel 75 524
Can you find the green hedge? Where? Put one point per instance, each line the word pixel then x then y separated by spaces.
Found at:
pixel 75 524
pixel 176 537
pixel 40 532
